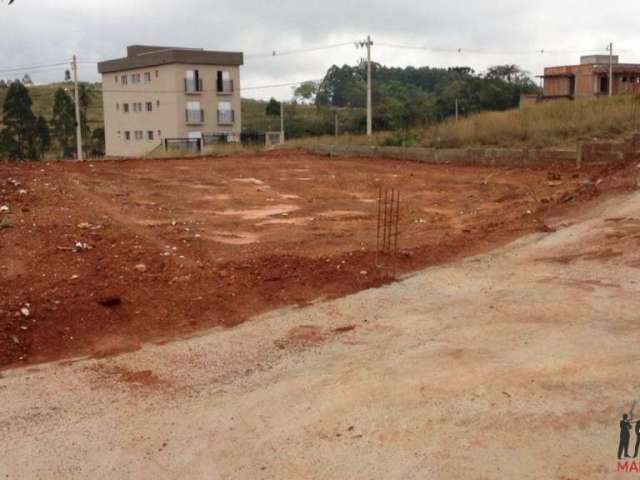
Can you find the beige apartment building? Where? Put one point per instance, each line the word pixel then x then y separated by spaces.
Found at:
pixel 156 95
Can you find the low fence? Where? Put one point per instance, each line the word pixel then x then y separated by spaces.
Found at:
pixel 585 153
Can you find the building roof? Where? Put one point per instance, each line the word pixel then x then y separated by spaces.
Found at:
pixel 144 56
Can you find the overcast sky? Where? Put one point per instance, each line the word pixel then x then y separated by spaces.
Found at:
pixel 37 32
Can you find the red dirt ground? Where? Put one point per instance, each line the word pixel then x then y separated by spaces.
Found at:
pixel 179 246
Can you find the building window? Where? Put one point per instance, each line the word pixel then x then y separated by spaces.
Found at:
pixel 147 77
pixel 157 73
pixel 125 107
pixel 124 80
pixel 149 106
pixel 157 103
pixel 224 83
pixel 137 107
pixel 135 78
pixel 192 81
pixel 150 135
pixel 194 113
pixel 139 135
pixel 116 78
pixel 225 113
pixel 117 107
pixel 127 135
pixel 159 133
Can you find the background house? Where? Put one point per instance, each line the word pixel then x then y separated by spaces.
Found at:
pixel 159 93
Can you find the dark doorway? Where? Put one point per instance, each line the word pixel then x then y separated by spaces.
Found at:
pixel 572 86
pixel 604 84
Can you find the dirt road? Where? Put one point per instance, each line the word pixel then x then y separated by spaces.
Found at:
pixel 513 364
pixel 107 256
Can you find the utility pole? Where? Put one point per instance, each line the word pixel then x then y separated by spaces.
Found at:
pixel 611 69
pixel 337 124
pixel 281 122
pixel 457 110
pixel 74 67
pixel 368 43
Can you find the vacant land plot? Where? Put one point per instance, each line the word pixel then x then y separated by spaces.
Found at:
pixel 99 258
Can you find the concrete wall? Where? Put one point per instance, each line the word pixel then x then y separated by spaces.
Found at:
pixel 586 153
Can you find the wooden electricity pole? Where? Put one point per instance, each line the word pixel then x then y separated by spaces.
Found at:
pixel 76 94
pixel 611 69
pixel 282 122
pixel 368 43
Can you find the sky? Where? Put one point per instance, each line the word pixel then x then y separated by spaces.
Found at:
pixel 46 32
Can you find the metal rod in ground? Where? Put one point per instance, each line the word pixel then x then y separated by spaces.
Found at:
pixel 395 248
pixel 384 221
pixel 378 231
pixel 391 209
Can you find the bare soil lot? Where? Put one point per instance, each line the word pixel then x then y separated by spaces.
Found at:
pixel 102 257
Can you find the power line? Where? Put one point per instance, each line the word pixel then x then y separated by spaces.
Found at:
pixel 282 53
pixel 483 51
pixel 32 68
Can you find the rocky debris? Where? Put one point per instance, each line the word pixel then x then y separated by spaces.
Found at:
pixel 84 226
pixel 22 191
pixel 82 247
pixel 141 267
pixel 25 311
pixel 5 209
pixel 110 301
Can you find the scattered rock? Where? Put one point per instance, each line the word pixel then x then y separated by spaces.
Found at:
pixel 364 273
pixel 81 247
pixel 5 209
pixel 345 329
pixel 84 226
pixel 25 312
pixel 141 267
pixel 110 301
pixel 22 191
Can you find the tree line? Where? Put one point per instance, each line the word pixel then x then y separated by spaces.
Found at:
pixel 413 97
pixel 25 136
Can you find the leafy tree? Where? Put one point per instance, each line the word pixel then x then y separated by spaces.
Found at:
pixel 43 135
pixel 273 107
pixel 97 142
pixel 26 80
pixel 3 84
pixel 306 91
pixel 20 133
pixel 84 99
pixel 63 123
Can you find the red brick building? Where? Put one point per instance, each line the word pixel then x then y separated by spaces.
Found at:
pixel 591 78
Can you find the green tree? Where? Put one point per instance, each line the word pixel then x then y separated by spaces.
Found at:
pixel 63 123
pixel 43 135
pixel 306 91
pixel 273 107
pixel 97 142
pixel 84 99
pixel 20 132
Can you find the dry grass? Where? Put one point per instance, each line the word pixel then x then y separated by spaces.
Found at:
pixel 560 123
pixel 556 123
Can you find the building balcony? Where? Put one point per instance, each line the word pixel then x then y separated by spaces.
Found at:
pixel 194 117
pixel 193 87
pixel 226 117
pixel 225 87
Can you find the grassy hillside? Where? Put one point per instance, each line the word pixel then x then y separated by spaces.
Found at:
pixel 550 124
pixel 300 120
pixel 42 97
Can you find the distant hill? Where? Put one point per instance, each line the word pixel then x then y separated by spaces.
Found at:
pixel 301 120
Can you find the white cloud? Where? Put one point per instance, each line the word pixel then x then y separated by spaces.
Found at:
pixel 47 31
